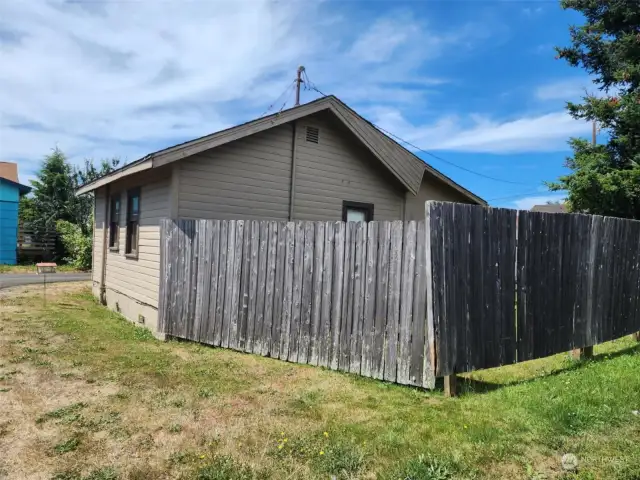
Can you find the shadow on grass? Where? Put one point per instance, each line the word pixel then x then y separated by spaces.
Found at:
pixel 470 385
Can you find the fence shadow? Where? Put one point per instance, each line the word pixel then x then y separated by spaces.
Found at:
pixel 468 385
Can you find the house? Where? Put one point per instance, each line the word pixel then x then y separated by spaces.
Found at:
pixel 550 208
pixel 10 193
pixel 318 161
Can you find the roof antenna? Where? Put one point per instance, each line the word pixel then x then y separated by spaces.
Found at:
pixel 298 82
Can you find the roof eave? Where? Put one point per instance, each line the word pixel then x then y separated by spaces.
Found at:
pixel 138 166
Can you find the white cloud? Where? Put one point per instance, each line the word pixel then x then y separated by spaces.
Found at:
pixel 567 89
pixel 477 133
pixel 531 11
pixel 118 78
pixel 571 89
pixel 528 202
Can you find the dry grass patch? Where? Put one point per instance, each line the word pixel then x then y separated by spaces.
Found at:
pixel 92 396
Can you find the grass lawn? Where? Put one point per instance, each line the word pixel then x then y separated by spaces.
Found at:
pixel 86 395
pixel 32 269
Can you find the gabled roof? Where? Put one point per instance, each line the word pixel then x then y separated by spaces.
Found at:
pixel 405 166
pixel 550 208
pixel 22 189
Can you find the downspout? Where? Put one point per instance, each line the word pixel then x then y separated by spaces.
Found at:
pixel 293 169
pixel 103 265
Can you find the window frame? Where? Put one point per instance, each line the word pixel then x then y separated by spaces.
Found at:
pixel 367 207
pixel 131 250
pixel 114 226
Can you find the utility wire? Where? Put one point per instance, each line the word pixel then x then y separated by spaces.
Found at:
pixel 289 86
pixel 287 97
pixel 437 157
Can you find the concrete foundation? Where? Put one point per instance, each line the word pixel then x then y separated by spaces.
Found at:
pixel 139 313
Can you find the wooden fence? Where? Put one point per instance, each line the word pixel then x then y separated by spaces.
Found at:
pixel 34 246
pixel 346 296
pixel 469 288
pixel 564 281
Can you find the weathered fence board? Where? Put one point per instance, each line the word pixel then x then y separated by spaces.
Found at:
pixel 564 281
pixel 468 288
pixel 368 327
pixel 308 292
pixel 577 281
pixel 382 296
pixel 471 270
pixel 336 300
pixel 327 282
pixel 316 300
pixel 287 294
pixel 393 305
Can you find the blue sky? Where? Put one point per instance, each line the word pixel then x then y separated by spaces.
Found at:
pixel 475 82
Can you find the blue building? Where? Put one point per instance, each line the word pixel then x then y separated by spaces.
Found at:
pixel 10 193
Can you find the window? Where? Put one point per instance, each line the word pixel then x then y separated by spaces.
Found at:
pixel 133 218
pixel 114 223
pixel 357 212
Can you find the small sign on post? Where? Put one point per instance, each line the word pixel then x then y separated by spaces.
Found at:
pixel 46 268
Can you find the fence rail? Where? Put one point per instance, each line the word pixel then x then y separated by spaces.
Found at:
pixel 346 296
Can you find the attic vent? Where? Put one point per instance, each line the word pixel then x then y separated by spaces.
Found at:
pixel 312 134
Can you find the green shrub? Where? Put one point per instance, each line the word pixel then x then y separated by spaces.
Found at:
pixel 77 244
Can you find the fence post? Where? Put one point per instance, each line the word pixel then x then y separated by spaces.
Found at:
pixel 450 385
pixel 582 353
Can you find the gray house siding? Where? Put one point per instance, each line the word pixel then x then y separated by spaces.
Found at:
pixel 430 189
pixel 338 168
pixel 245 179
pixel 132 284
pixel 249 178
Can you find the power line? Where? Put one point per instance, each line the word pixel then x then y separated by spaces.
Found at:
pixel 437 157
pixel 289 86
pixel 293 86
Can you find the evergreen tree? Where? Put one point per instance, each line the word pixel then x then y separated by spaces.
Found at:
pixel 52 193
pixel 605 178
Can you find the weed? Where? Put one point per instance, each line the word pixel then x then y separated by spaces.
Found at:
pixel 175 428
pixel 178 403
pixel 68 446
pixel 106 473
pixel 4 390
pixel 206 393
pixel 68 475
pixel 142 334
pixel 426 467
pixel 342 459
pixel 102 422
pixel 64 414
pixel 223 467
pixel 306 402
pixel 182 458
pixel 67 375
pixel 19 359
